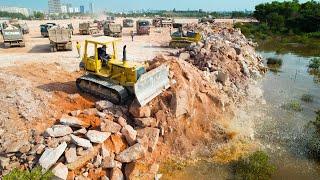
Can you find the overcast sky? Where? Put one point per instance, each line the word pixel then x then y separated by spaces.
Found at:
pixel 125 5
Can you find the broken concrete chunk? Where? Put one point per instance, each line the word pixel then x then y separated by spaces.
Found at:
pixel 139 112
pixel 25 148
pixel 75 113
pixel 130 134
pixel 119 143
pixel 81 142
pixel 71 154
pixel 101 114
pixel 116 174
pixel 4 162
pixel 58 131
pixel 110 126
pixel 81 131
pixel 146 122
pixel 97 136
pixel 51 156
pixel 90 111
pixel 184 56
pixel 153 136
pixel 105 152
pixel 122 121
pixel 15 146
pixel 102 105
pixel 132 153
pixel 109 162
pixel 60 171
pixel 98 161
pixel 72 121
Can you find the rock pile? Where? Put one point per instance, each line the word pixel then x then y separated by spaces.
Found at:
pixel 75 149
pixel 224 53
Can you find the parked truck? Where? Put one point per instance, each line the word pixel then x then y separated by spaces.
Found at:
pixel 88 28
pixel 113 30
pixel 143 27
pixel 127 23
pixel 60 39
pixel 12 36
pixel 45 27
pixel 24 27
pixel 162 22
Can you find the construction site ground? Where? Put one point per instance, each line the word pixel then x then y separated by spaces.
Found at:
pixel 38 86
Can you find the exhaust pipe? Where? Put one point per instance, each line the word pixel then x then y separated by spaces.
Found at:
pixel 124 53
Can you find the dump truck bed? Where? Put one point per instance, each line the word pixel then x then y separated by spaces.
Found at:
pixel 12 35
pixel 59 35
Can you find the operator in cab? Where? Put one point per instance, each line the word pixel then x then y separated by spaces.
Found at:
pixel 103 55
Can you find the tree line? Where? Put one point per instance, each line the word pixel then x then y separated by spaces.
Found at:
pixel 189 13
pixel 290 16
pixel 36 15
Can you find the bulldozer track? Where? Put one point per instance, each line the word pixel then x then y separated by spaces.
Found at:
pixel 101 88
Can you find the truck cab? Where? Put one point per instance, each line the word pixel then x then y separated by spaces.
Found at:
pixel 143 27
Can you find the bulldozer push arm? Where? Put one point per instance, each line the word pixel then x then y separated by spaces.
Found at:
pixel 151 84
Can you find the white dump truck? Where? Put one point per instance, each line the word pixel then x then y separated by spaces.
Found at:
pixel 88 28
pixel 113 30
pixel 60 39
pixel 12 36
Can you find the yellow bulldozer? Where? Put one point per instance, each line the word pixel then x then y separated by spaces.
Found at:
pixel 183 39
pixel 108 77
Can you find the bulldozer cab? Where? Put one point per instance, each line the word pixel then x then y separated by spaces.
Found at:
pixel 98 52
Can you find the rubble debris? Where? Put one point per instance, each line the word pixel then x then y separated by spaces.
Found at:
pixel 146 122
pixel 110 126
pixel 122 121
pixel 51 156
pixel 152 134
pixel 119 143
pixel 116 174
pixel 72 121
pixel 81 131
pixel 139 112
pixel 97 136
pixel 60 171
pixel 71 154
pixel 102 105
pixel 133 153
pixel 130 134
pixel 58 131
pixel 81 142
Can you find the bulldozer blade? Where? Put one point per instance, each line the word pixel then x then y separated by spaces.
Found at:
pixel 151 84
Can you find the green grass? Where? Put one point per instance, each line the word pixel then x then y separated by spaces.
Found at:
pixel 314 143
pixel 34 174
pixel 293 105
pixel 314 64
pixel 256 166
pixel 307 98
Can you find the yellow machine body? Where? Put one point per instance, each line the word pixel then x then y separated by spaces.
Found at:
pixel 117 80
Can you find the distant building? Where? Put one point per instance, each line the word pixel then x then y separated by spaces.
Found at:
pixel 82 9
pixel 9 9
pixel 68 7
pixel 76 10
pixel 71 10
pixel 54 6
pixel 64 9
pixel 91 7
